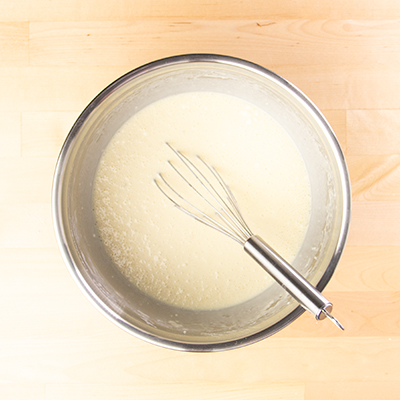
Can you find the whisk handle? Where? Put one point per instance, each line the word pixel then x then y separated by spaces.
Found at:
pixel 306 294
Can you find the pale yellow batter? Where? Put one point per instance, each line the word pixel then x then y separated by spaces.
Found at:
pixel 166 253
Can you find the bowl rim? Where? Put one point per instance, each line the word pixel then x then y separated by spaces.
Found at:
pixel 134 74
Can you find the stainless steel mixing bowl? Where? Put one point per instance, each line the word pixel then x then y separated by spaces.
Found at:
pixel 92 268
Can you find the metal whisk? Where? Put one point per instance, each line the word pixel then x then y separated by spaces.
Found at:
pixel 214 193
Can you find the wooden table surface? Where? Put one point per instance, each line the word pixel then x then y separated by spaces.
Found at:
pixel 55 56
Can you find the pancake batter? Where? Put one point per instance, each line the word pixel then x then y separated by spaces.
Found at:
pixel 164 252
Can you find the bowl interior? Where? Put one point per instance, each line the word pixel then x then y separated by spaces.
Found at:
pixel 92 267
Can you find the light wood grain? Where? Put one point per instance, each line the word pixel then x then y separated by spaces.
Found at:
pixel 10 138
pixel 22 392
pixel 375 177
pixel 370 268
pixel 32 180
pixel 52 88
pixel 43 133
pixel 373 132
pixel 375 224
pixel 56 56
pixel 289 42
pixel 347 87
pixel 14 37
pixel 74 10
pixel 26 225
pixel 343 390
pixel 264 363
pixel 181 391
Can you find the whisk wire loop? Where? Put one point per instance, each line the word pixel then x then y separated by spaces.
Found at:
pixel 231 198
pixel 231 220
pixel 204 218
